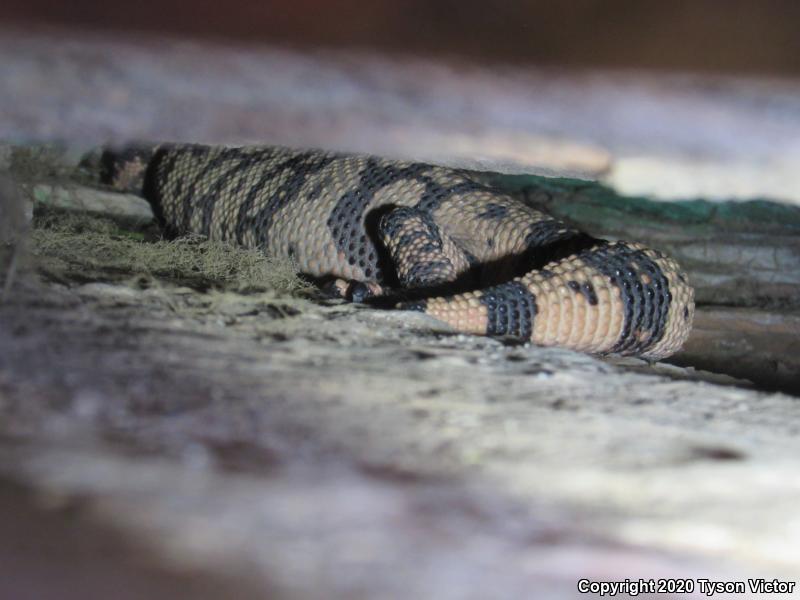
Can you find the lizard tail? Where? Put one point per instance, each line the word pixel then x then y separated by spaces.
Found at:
pixel 614 298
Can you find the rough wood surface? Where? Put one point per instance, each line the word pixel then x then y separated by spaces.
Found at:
pixel 337 452
pixel 759 345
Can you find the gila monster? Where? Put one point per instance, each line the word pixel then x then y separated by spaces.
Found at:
pixel 476 258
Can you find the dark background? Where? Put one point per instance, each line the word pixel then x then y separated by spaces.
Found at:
pixel 733 36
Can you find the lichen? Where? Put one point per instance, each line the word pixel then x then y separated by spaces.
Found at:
pixel 86 247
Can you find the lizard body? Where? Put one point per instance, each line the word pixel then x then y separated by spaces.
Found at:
pixel 380 224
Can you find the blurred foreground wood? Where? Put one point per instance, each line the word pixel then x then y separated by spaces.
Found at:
pixel 671 136
pixel 735 36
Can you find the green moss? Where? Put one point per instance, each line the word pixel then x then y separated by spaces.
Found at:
pixel 83 247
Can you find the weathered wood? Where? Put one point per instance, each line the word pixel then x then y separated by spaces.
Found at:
pixel 758 345
pixel 263 436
